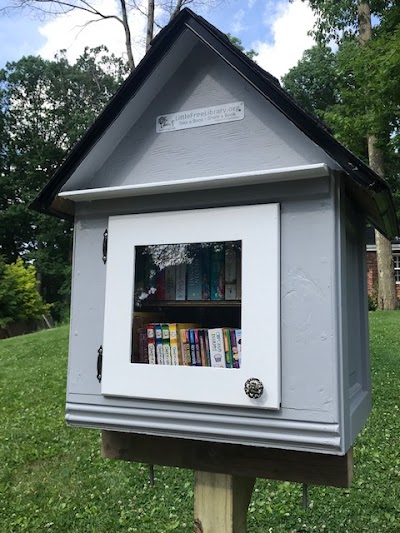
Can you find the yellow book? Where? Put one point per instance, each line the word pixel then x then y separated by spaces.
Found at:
pixel 178 342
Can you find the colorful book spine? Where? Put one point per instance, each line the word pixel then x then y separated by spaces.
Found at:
pixel 203 349
pixel 174 344
pixel 227 348
pixel 180 281
pixel 217 351
pixel 234 348
pixel 192 344
pixel 159 346
pixel 197 347
pixel 185 347
pixel 170 282
pixel 217 272
pixel 151 344
pixel 207 342
pixel 165 344
pixel 238 333
pixel 195 278
pixel 230 272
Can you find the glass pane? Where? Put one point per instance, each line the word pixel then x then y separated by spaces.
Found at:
pixel 187 304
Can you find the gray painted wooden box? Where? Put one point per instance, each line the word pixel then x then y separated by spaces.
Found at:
pixel 312 300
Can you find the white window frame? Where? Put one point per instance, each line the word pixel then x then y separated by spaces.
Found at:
pixel 258 227
pixel 396 265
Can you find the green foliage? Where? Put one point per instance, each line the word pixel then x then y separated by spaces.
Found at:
pixel 19 298
pixel 355 90
pixel 313 82
pixel 238 43
pixel 372 302
pixel 45 107
pixel 53 478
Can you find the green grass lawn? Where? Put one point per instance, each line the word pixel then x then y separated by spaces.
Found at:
pixel 53 479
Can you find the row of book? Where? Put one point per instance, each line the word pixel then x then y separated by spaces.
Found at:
pixel 211 272
pixel 189 345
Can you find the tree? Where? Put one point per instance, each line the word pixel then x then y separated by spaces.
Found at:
pixel 19 299
pixel 157 14
pixel 238 43
pixel 313 82
pixel 349 23
pixel 45 106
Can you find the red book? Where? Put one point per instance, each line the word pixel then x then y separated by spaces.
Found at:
pixel 151 344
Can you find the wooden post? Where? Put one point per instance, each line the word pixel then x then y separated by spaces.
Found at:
pixel 221 502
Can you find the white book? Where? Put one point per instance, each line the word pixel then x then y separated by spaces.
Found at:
pixel 166 354
pixel 217 350
pixel 160 354
pixel 180 275
pixel 151 348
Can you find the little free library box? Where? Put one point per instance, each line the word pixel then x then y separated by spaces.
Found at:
pixel 219 267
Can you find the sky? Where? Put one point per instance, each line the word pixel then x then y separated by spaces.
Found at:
pixel 276 29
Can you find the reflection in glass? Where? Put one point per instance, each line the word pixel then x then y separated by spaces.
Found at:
pixel 187 304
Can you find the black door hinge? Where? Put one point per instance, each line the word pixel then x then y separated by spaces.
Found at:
pixel 99 363
pixel 105 246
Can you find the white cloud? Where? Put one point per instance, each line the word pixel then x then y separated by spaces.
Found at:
pixel 290 25
pixel 237 24
pixel 70 33
pixel 251 3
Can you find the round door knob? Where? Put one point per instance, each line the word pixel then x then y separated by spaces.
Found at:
pixel 254 388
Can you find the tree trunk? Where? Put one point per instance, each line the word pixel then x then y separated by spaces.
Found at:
pixel 128 41
pixel 150 23
pixel 386 283
pixel 387 299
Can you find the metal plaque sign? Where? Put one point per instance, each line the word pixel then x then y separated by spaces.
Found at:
pixel 203 116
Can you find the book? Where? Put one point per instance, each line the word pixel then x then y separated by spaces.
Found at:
pixel 151 344
pixel 217 272
pixel 207 342
pixel 176 358
pixel 143 350
pixel 160 285
pixel 217 351
pixel 227 348
pixel 238 333
pixel 140 320
pixel 150 283
pixel 180 281
pixel 203 349
pixel 230 271
pixel 185 347
pixel 239 274
pixel 195 277
pixel 159 346
pixel 234 348
pixel 170 282
pixel 197 347
pixel 165 344
pixel 192 347
pixel 206 273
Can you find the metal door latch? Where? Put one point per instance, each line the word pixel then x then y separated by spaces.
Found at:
pixel 254 388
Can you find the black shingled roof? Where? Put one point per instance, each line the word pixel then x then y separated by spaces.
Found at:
pixel 365 181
